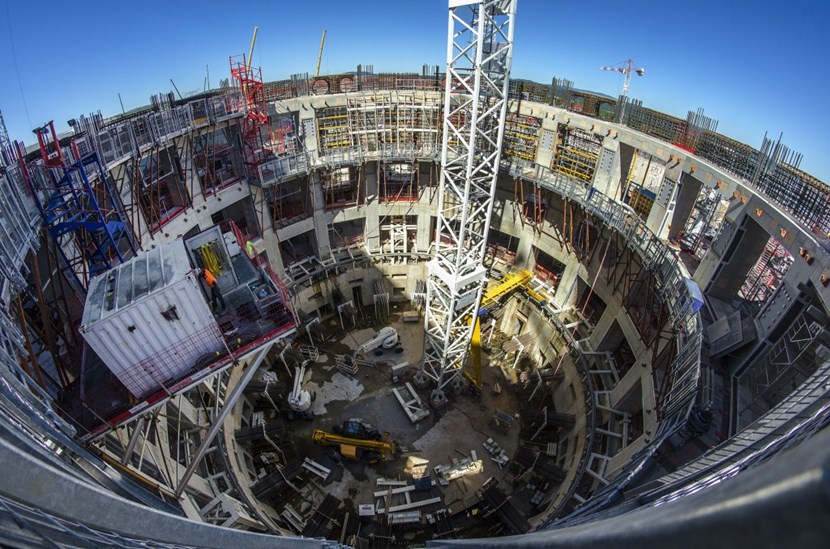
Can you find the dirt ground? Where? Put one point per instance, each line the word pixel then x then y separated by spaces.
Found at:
pixel 446 434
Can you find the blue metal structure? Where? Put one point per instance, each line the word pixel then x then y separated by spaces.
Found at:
pixel 84 217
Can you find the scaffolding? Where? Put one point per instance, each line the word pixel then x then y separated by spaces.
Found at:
pixel 82 214
pixel 527 90
pixel 159 186
pixel 704 222
pixel 398 182
pixel 767 273
pixel 396 124
pixel 250 82
pixel 577 153
pixel 288 200
pixel 341 186
pixel 216 158
pixel 666 127
pixel 521 136
pixel 332 129
pixel 786 364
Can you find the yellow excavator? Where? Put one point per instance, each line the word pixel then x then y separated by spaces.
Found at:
pixel 492 294
pixel 354 440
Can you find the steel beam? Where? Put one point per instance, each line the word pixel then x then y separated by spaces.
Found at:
pixel 137 433
pixel 230 401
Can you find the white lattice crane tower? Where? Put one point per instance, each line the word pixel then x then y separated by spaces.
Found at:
pixel 626 70
pixel 479 55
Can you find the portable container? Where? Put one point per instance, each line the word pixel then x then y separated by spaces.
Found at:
pixel 149 321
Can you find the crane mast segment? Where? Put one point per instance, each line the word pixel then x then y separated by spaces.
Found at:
pixel 479 56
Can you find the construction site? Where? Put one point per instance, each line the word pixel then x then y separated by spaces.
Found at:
pixel 431 309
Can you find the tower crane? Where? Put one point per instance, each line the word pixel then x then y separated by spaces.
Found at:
pixel 320 55
pixel 479 56
pixel 626 70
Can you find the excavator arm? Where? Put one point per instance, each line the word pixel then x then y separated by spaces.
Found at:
pixel 492 294
pixel 383 447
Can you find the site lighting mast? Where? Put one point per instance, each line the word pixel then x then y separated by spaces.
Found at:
pixel 626 70
pixel 479 56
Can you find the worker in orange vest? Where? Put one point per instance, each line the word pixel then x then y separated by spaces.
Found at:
pixel 215 293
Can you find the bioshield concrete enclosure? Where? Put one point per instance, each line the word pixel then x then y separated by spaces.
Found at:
pixel 452 307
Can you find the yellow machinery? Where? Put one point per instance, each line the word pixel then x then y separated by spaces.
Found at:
pixel 320 55
pixel 492 294
pixel 354 447
pixel 251 52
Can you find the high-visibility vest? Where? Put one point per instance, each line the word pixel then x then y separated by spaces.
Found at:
pixel 209 278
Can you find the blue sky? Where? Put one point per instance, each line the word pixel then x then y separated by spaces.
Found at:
pixel 755 66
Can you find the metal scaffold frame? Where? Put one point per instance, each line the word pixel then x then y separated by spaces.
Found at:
pixel 84 216
pixel 250 82
pixel 479 56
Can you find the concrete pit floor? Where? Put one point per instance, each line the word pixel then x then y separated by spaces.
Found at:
pixel 446 434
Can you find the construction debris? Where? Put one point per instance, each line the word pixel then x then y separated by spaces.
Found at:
pixel 459 468
pixel 497 453
pixel 411 403
pixel 314 467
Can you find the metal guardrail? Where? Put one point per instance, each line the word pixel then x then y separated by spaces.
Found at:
pixel 791 420
pixel 275 170
pixel 671 283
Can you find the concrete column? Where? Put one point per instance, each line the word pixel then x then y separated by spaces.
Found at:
pixel 607 175
pixel 423 240
pixel 741 254
pixel 686 198
pixel 663 208
pixel 321 228
pixel 626 157
pixel 370 179
pixel 711 261
pixel 524 253
pixel 603 324
pixel 371 232
pixel 566 292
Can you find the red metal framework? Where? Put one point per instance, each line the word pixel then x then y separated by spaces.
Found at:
pixel 253 90
pixel 50 149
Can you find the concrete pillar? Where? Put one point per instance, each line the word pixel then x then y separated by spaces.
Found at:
pixel 663 208
pixel 686 199
pixel 566 292
pixel 741 254
pixel 321 228
pixel 603 324
pixel 423 240
pixel 607 175
pixel 711 260
pixel 626 157
pixel 370 179
pixel 371 232
pixel 524 252
pixel 269 243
